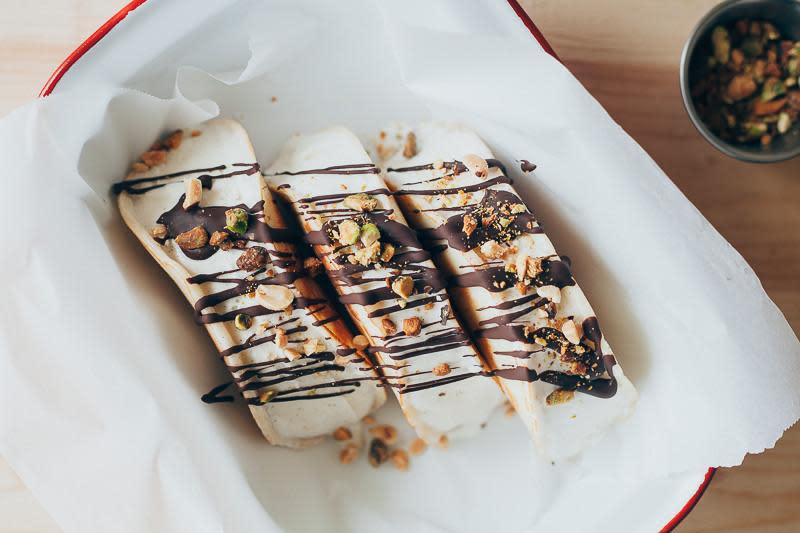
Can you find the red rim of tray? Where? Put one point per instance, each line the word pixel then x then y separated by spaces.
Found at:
pixel 101 32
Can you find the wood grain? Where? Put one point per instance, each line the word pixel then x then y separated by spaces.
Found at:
pixel 626 53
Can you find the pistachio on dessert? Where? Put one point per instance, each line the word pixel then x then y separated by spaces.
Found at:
pixel 476 164
pixel 412 326
pixel 403 286
pixel 195 238
pixel 312 346
pixel 159 231
pixel 441 369
pixel 550 292
pixel 242 321
pixel 369 234
pixel 559 396
pixel 253 258
pixel 194 193
pixel 469 225
pixel 218 237
pixel 236 220
pixel 387 252
pixel 274 297
pixel 389 328
pixel 348 231
pixel 361 202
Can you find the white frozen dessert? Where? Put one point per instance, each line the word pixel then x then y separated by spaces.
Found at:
pixel 530 319
pixel 388 283
pixel 199 205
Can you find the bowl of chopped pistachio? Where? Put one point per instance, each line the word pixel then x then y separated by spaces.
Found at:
pixel 740 79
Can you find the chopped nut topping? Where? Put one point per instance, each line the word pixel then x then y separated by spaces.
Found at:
pixel 387 253
pixel 443 441
pixel 274 297
pixel 312 346
pixel 441 369
pixel 385 432
pixel 242 321
pixel 173 141
pixel 550 292
pixel 361 202
pixel 403 286
pixel 492 249
pixel 159 231
pixel 570 330
pixel 367 255
pixel 253 258
pixel 195 238
pixel 369 234
pixel 559 396
pixel 217 238
pixel 378 452
pixel 417 446
pixel 138 166
pixel 410 147
pixel 399 459
pixel 312 265
pixel 412 326
pixel 476 164
pixel 469 225
pixel 292 355
pixel 342 433
pixel 196 133
pixel 360 342
pixel 281 339
pixel 368 420
pixel 154 158
pixel 236 220
pixel 388 326
pixel 267 395
pixel 348 232
pixel 540 312
pixel 348 454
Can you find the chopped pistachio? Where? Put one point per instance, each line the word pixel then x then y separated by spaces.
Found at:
pixel 242 321
pixel 388 252
pixel 369 234
pixel 236 220
pixel 773 88
pixel 361 202
pixel 559 396
pixel 721 41
pixel 784 122
pixel 403 286
pixel 348 232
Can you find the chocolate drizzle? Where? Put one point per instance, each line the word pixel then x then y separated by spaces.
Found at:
pixel 279 376
pixel 498 216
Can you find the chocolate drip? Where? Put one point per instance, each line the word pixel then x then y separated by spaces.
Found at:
pixel 360 168
pixel 526 166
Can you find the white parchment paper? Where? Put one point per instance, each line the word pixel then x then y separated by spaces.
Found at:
pixel 102 367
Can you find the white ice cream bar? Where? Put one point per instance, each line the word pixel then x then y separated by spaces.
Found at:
pixel 391 288
pixel 204 213
pixel 531 320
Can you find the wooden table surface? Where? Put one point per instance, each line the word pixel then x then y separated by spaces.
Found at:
pixel 626 53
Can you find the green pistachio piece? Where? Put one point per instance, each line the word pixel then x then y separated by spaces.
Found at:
pixel 754 130
pixel 752 47
pixel 361 202
pixel 773 88
pixel 236 220
pixel 784 122
pixel 242 321
pixel 793 66
pixel 348 232
pixel 369 234
pixel 721 42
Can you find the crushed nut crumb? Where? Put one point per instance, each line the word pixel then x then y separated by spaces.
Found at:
pixel 410 147
pixel 342 433
pixel 195 238
pixel 417 446
pixel 412 326
pixel 441 369
pixel 385 432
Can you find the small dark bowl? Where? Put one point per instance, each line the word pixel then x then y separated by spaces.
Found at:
pixel 785 15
